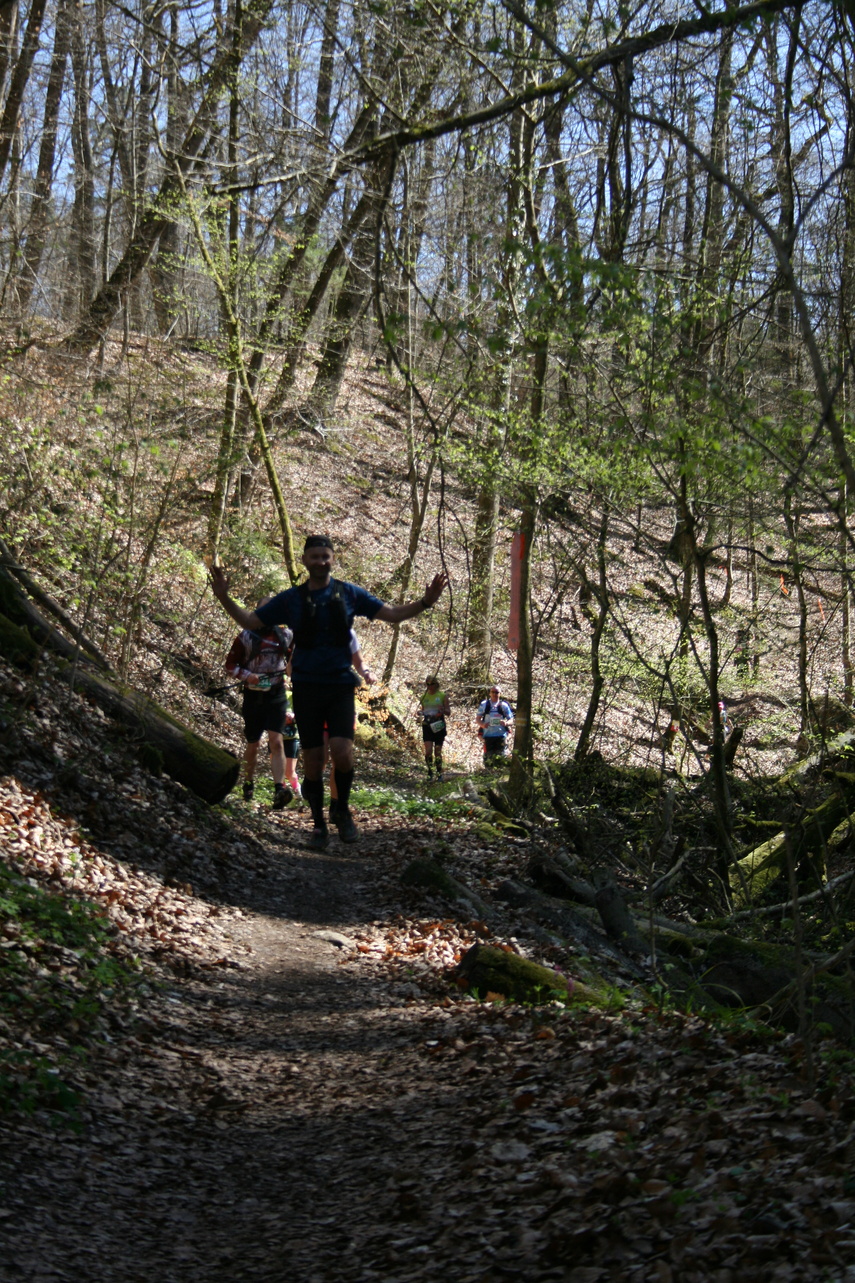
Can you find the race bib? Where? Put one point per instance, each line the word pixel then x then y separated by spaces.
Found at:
pixel 436 727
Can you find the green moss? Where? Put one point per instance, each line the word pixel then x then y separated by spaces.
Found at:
pixel 431 876
pixel 366 735
pixel 488 832
pixel 724 948
pixel 676 944
pixel 492 970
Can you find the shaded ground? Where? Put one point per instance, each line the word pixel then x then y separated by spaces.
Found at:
pixel 298 1090
pixel 313 1109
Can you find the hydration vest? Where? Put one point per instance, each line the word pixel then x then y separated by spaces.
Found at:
pixel 306 632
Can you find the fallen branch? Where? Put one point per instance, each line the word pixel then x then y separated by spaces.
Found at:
pixel 770 909
pixel 571 924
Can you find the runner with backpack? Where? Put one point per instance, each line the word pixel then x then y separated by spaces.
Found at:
pixel 495 719
pixel 258 658
pixel 321 612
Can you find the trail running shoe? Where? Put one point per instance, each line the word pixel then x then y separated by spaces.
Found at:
pixel 319 839
pixel 282 795
pixel 248 790
pixel 347 830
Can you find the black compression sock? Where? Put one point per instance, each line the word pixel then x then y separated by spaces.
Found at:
pixel 313 792
pixel 343 782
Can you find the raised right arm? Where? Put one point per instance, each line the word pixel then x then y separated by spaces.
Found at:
pixel 220 589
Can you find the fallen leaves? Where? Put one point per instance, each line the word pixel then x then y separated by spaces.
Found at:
pixel 431 1132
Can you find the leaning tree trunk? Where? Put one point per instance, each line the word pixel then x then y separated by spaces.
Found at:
pixel 18 82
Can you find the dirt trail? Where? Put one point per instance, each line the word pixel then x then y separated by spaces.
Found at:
pixel 296 1108
pixel 255 1131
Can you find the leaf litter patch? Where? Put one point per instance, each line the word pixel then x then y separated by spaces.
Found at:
pixel 266 1101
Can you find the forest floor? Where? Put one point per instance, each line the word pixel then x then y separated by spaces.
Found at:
pixel 291 1085
pixel 299 1090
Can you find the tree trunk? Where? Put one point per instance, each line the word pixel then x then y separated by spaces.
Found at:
pixel 420 488
pixel 299 325
pixel 229 304
pixel 106 305
pixel 792 521
pixel 39 221
pixel 479 638
pixel 165 269
pixel 521 764
pixel 83 273
pixel 350 305
pixel 20 76
pixel 601 592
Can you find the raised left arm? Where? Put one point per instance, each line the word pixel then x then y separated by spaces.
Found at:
pixel 409 609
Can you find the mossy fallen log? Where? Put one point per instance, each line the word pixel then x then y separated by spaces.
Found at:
pixel 765 979
pixel 569 920
pixel 805 842
pixel 163 742
pixel 45 599
pixel 842 743
pixel 23 614
pixel 201 766
pixel 616 917
pixel 490 972
pixel 559 876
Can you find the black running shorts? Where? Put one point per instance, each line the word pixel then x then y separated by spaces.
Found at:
pixel 263 711
pixel 319 706
pixel 429 735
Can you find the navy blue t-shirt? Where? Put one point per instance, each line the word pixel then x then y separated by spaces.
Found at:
pixel 323 662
